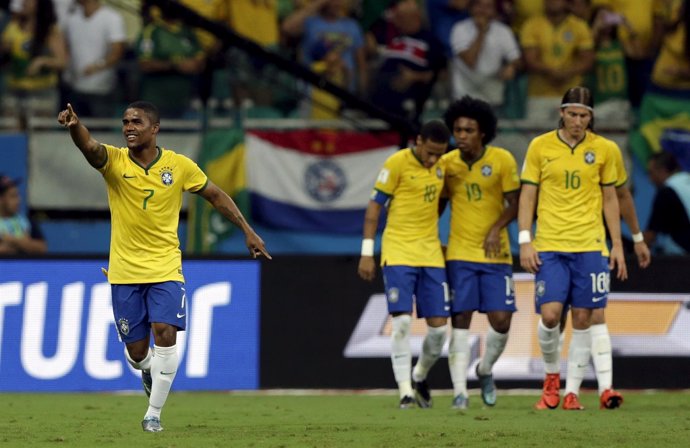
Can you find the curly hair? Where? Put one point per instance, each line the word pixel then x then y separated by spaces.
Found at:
pixel 477 110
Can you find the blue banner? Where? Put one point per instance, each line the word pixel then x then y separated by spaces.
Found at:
pixel 57 331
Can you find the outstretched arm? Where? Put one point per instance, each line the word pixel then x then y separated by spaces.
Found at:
pixel 227 207
pixel 93 151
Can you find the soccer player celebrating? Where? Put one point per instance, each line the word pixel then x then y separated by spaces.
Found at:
pixel 145 183
pixel 482 184
pixel 572 172
pixel 409 185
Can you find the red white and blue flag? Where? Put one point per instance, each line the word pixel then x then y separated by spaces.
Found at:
pixel 314 180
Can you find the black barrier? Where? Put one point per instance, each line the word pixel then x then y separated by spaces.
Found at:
pixel 312 304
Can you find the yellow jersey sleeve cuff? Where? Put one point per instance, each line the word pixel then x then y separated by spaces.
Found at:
pixel 202 188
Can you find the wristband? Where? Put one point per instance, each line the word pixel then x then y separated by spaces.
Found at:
pixel 524 237
pixel 368 247
pixel 638 237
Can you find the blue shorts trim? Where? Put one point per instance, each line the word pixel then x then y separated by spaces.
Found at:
pixel 426 287
pixel 483 287
pixel 137 306
pixel 580 279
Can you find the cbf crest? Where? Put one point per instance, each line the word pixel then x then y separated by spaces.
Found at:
pixel 166 176
pixel 123 326
pixel 393 295
pixel 589 157
pixel 486 170
pixel 439 172
pixel 540 288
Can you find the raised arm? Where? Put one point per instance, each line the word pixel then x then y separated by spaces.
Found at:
pixel 227 207
pixel 93 151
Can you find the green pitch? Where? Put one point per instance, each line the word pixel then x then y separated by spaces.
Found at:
pixel 202 420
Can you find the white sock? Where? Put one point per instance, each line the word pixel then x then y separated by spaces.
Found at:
pixel 163 370
pixel 459 360
pixel 144 364
pixel 561 341
pixel 401 355
pixel 578 360
pixel 495 344
pixel 548 341
pixel 431 351
pixel 601 356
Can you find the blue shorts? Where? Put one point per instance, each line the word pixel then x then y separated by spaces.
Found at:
pixel 426 286
pixel 482 287
pixel 580 280
pixel 136 306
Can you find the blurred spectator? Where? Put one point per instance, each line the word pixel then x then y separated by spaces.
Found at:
pixel 409 63
pixel 609 78
pixel 669 223
pixel 263 26
pixel 18 235
pixel 96 41
pixel 169 57
pixel 327 21
pixel 329 63
pixel 558 49
pixel 636 36
pixel 442 15
pixel 518 11
pixel 486 55
pixel 34 47
pixel 672 66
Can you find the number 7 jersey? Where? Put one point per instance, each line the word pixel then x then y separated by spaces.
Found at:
pixel 569 207
pixel 145 205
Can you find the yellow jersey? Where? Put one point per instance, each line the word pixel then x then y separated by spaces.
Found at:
pixel 18 43
pixel 145 205
pixel 569 179
pixel 558 47
pixel 411 234
pixel 476 193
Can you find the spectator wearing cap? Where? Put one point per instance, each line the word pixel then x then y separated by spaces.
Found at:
pixel 18 235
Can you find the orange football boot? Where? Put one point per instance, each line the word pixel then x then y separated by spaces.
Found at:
pixel 549 397
pixel 571 403
pixel 610 399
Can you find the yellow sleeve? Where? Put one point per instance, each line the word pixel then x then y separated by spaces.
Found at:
pixel 389 175
pixel 584 36
pixel 608 173
pixel 510 181
pixel 529 36
pixel 195 179
pixel 621 173
pixel 531 167
pixel 112 154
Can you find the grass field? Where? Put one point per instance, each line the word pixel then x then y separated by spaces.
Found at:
pixel 659 419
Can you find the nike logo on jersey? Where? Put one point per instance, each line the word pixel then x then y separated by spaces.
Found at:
pixel 598 299
pixel 128 177
pixel 167 373
pixel 180 316
pixel 551 159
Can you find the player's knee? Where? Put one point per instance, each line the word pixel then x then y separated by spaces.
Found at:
pixel 401 326
pixel 598 316
pixel 551 320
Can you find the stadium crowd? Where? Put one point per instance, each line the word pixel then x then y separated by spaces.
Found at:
pixel 408 56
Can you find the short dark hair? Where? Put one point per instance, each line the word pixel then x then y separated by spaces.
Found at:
pixel 149 108
pixel 578 95
pixel 665 160
pixel 477 110
pixel 435 131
